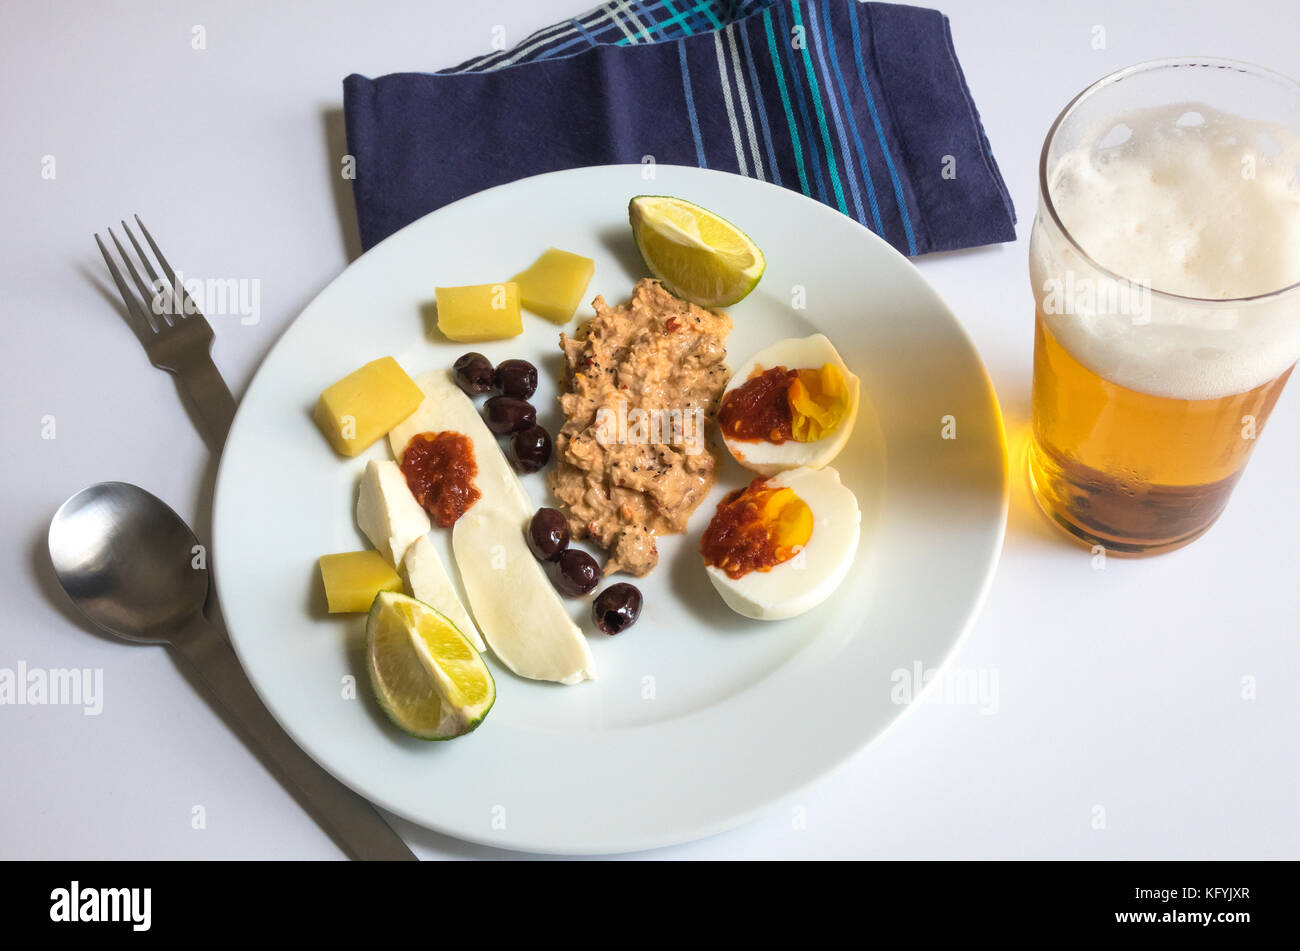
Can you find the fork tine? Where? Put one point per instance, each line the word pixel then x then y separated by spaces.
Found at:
pixel 133 306
pixel 144 258
pixel 146 292
pixel 167 268
pixel 172 310
pixel 188 306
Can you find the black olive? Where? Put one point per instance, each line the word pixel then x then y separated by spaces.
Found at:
pixel 507 414
pixel 474 374
pixel 530 449
pixel 578 572
pixel 517 378
pixel 617 607
pixel 548 534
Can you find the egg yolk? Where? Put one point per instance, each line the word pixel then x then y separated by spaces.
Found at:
pixel 779 404
pixel 756 528
pixel 819 401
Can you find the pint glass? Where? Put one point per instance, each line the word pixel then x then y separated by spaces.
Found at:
pixel 1165 263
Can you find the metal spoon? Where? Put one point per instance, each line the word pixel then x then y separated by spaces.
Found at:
pixel 127 561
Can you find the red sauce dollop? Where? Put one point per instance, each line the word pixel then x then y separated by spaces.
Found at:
pixel 736 540
pixel 440 470
pixel 759 409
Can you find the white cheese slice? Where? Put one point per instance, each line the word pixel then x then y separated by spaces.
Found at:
pixel 516 607
pixel 427 580
pixel 519 611
pixel 387 511
pixel 447 408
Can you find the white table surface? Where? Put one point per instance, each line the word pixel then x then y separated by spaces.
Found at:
pixel 1119 689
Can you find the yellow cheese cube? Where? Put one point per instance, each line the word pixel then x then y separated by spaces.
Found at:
pixel 479 312
pixel 353 578
pixel 365 405
pixel 554 285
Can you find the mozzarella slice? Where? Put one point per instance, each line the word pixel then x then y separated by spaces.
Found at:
pixel 447 408
pixel 387 511
pixel 428 581
pixel 516 607
pixel 521 614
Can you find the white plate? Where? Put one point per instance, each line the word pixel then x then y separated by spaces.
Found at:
pixel 699 718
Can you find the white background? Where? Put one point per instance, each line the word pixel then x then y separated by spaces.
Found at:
pixel 1119 688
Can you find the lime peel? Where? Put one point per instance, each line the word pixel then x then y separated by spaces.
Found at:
pixel 426 675
pixel 698 255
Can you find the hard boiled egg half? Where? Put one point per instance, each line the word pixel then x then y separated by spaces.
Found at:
pixel 794 404
pixel 781 545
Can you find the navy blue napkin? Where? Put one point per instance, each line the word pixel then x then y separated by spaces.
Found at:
pixel 862 106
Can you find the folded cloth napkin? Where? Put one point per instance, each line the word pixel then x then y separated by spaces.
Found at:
pixel 859 105
pixel 619 23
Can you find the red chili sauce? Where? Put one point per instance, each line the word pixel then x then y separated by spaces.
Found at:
pixel 736 540
pixel 759 409
pixel 440 470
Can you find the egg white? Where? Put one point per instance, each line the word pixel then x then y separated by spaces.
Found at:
pixel 805 581
pixel 796 353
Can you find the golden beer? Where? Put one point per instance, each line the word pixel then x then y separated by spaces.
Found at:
pixel 1131 471
pixel 1165 265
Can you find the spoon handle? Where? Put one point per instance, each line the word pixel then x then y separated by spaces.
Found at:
pixel 347 817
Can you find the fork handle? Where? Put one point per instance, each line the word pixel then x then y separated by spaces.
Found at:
pixel 347 817
pixel 202 382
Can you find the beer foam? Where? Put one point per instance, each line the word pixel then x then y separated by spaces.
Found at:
pixel 1185 200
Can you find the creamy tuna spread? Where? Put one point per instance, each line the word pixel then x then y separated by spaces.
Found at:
pixel 642 382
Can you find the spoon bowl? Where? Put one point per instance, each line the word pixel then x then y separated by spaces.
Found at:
pixel 128 562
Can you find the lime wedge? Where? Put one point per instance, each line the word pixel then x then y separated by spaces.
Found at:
pixel 426 675
pixel 699 256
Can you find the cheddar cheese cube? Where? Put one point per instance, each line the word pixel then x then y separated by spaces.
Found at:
pixel 479 312
pixel 365 405
pixel 352 579
pixel 554 285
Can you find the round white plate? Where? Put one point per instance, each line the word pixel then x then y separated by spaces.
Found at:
pixel 698 718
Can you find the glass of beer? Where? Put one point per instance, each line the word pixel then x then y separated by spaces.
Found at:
pixel 1165 262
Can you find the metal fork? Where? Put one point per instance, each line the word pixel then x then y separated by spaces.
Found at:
pixel 176 337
